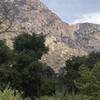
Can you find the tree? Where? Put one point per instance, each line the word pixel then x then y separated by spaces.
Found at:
pixel 38 77
pixel 8 10
pixel 35 79
pixel 71 73
pixel 92 59
pixel 33 44
pixel 26 73
pixel 71 70
pixel 89 81
pixel 5 53
pixel 6 60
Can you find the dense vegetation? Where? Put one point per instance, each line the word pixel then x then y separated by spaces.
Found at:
pixel 67 97
pixel 22 70
pixel 8 94
pixel 81 75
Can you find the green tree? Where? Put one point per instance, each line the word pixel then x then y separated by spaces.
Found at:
pixel 89 81
pixel 5 53
pixel 6 60
pixel 33 44
pixel 71 70
pixel 71 73
pixel 26 73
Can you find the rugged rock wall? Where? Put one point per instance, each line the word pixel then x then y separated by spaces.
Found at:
pixel 63 40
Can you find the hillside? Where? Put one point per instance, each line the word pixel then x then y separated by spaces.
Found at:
pixel 64 40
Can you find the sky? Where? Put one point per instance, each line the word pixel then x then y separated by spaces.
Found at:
pixel 76 11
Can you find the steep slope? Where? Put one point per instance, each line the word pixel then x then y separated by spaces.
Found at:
pixel 64 40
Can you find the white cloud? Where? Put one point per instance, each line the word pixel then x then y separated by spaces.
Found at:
pixel 91 18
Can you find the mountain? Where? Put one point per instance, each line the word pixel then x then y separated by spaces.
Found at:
pixel 63 40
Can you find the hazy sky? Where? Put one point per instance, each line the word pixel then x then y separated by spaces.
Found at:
pixel 76 11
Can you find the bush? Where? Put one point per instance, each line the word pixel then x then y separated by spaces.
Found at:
pixel 67 97
pixel 9 94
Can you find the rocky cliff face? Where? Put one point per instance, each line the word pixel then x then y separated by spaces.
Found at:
pixel 63 40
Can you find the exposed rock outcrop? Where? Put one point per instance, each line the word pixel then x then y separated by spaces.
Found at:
pixel 64 40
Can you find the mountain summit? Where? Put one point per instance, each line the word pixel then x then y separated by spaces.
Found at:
pixel 63 40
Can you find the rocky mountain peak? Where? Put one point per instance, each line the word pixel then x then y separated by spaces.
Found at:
pixel 63 40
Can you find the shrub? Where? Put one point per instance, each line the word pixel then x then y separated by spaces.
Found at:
pixel 9 94
pixel 67 97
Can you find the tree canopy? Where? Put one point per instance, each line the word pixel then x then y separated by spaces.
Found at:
pixel 25 72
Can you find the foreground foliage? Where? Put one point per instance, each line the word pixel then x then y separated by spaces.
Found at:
pixel 9 94
pixel 67 97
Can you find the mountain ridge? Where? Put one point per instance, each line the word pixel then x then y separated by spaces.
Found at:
pixel 64 40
